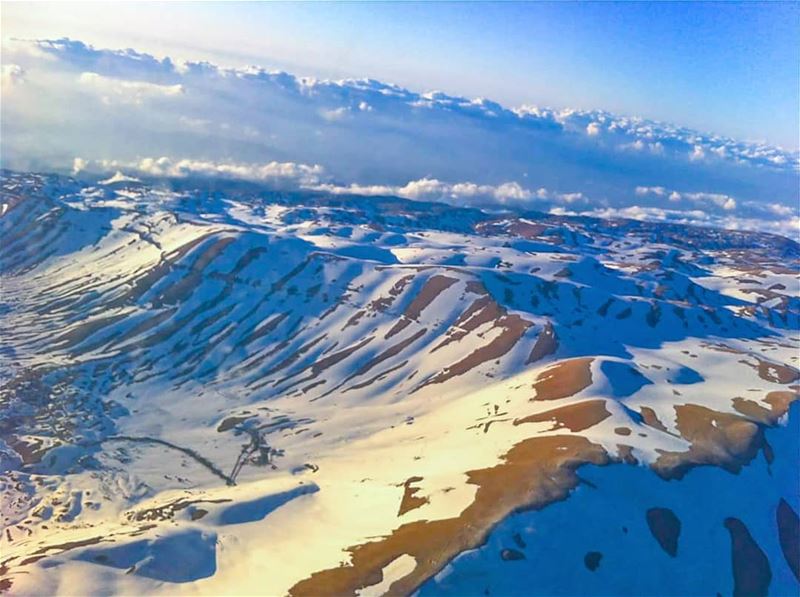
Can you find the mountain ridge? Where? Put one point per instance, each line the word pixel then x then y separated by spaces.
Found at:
pixel 151 327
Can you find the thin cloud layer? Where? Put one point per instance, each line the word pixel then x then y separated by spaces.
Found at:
pixel 314 178
pixel 286 174
pixel 116 110
pixel 137 92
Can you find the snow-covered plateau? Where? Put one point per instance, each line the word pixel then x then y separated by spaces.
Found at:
pixel 212 388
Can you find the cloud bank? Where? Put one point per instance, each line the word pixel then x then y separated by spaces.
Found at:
pixel 66 105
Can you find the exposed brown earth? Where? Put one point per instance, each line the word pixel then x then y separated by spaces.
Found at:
pixel 722 439
pixel 180 291
pixel 377 377
pixel 650 418
pixel 31 452
pixel 432 288
pixel 564 379
pixel 476 287
pixel 398 327
pixel 625 454
pixel 156 273
pixel 44 550
pixel 478 313
pixel 410 500
pixel 356 317
pixel 546 344
pixel 390 352
pixel 147 325
pixel 336 357
pixel 514 327
pixel 777 373
pixel 575 417
pixel 266 328
pixel 322 364
pixel 167 511
pixel 754 411
pixel 382 303
pixel 767 370
pixel 82 331
pixel 526 230
pixel 231 422
pixel 481 311
pixel 292 358
pixel 780 400
pixel 534 473
pixel 513 228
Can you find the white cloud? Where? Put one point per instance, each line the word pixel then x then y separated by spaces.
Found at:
pixel 698 153
pixel 462 193
pixel 771 209
pixel 118 177
pixel 571 197
pixel 782 210
pixel 12 74
pixel 197 124
pixel 278 173
pixel 313 177
pixel 724 201
pixel 23 48
pixel 512 191
pixel 269 126
pixel 431 189
pixel 593 129
pixel 656 148
pixel 789 227
pixel 660 191
pixel 124 91
pixel 334 114
pixel 290 175
pixel 78 165
pixel 721 200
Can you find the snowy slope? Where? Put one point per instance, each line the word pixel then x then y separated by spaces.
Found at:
pixel 213 388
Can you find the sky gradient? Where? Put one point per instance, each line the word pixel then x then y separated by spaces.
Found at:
pixel 726 68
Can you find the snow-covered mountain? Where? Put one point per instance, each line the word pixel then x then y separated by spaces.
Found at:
pixel 209 387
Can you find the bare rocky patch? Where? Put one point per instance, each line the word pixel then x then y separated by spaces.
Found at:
pixel 534 473
pixel 575 417
pixel 716 438
pixel 546 344
pixel 564 379
pixel 513 328
pixel 410 500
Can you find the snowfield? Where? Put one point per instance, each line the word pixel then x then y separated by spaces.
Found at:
pixel 209 387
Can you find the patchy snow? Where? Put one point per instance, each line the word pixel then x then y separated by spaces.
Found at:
pixel 269 381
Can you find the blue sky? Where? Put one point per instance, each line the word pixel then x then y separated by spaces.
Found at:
pixel 676 110
pixel 727 68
